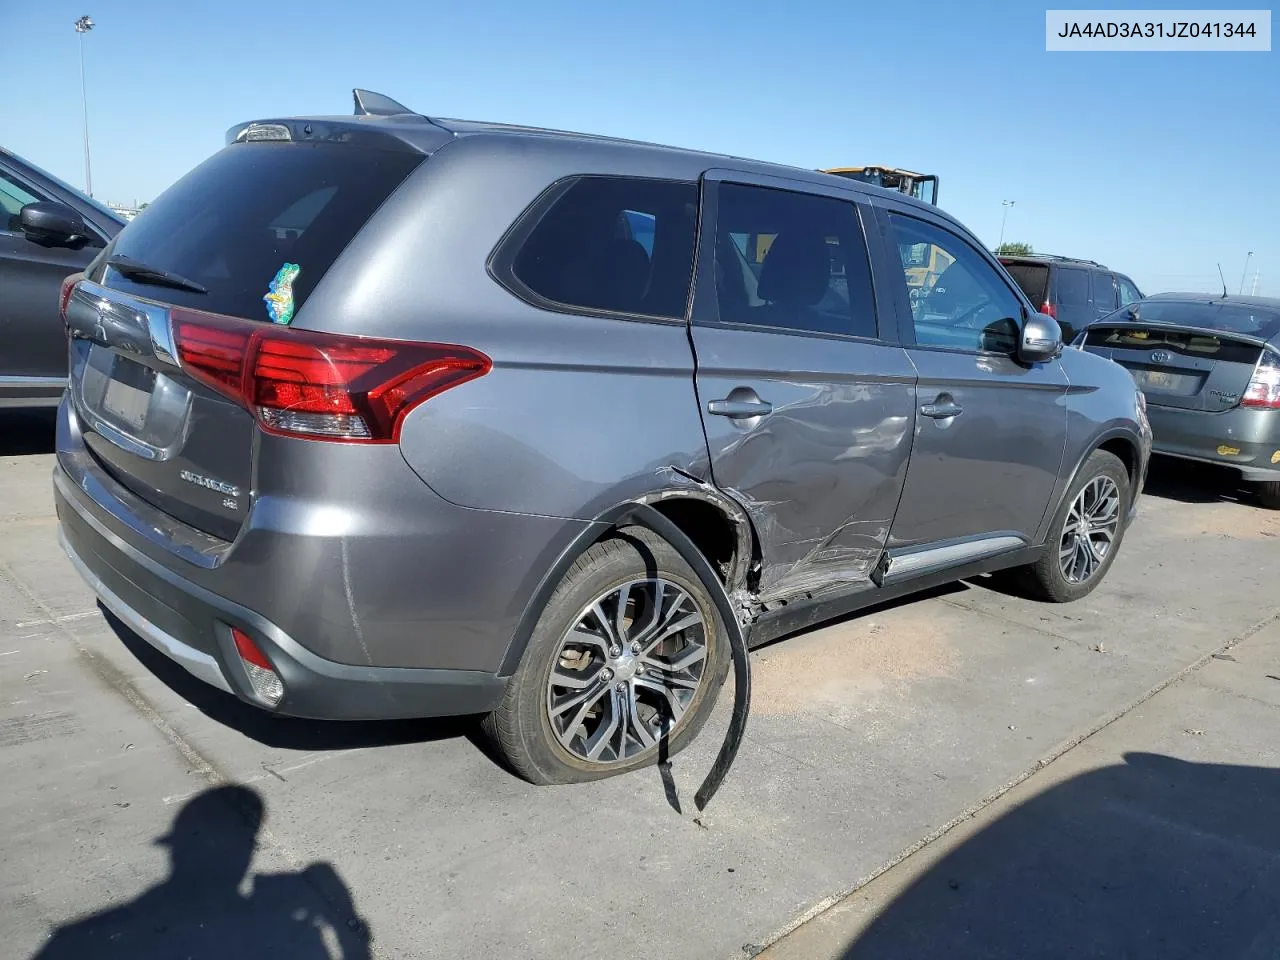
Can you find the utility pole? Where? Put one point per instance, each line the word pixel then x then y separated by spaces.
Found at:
pixel 83 26
pixel 1245 274
pixel 1003 219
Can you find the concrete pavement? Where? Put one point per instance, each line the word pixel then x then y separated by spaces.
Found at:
pixel 867 738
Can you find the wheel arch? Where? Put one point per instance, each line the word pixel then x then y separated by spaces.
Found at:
pixel 1116 441
pixel 712 525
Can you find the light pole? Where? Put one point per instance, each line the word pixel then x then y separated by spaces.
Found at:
pixel 1245 274
pixel 1003 219
pixel 83 26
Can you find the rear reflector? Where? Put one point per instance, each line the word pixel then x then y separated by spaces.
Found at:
pixel 266 682
pixel 320 385
pixel 1264 389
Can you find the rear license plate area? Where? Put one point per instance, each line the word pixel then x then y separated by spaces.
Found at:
pixel 1168 382
pixel 128 394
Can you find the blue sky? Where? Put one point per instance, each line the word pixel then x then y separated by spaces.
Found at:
pixel 1158 164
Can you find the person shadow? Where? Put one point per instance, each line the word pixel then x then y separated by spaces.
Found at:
pixel 211 906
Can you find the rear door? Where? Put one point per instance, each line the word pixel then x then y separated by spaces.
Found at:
pixel 227 228
pixel 33 344
pixel 1072 299
pixel 807 400
pixel 1104 293
pixel 990 431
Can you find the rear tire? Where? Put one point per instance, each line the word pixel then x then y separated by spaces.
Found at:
pixel 1091 515
pixel 1269 494
pixel 591 698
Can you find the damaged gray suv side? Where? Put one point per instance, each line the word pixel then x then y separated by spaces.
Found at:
pixel 348 402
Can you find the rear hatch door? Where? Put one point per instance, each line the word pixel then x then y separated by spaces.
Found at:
pixel 1206 370
pixel 213 243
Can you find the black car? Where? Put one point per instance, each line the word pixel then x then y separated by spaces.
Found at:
pixel 1074 292
pixel 48 230
pixel 1210 369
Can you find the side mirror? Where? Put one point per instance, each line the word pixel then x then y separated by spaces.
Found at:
pixel 1041 339
pixel 52 224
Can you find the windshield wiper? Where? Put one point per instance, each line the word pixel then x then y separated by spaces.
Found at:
pixel 142 273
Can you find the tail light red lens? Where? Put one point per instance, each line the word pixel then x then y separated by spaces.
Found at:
pixel 1050 309
pixel 1264 388
pixel 321 385
pixel 262 676
pixel 64 295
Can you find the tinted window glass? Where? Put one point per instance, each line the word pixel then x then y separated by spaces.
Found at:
pixel 617 244
pixel 1072 286
pixel 957 298
pixel 1128 292
pixel 1226 317
pixel 1033 278
pixel 792 260
pixel 235 220
pixel 1104 291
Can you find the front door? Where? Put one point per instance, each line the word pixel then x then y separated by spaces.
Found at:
pixel 807 400
pixel 33 343
pixel 990 431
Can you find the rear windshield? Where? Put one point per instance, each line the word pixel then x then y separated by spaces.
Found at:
pixel 1186 344
pixel 1033 278
pixel 1227 317
pixel 234 221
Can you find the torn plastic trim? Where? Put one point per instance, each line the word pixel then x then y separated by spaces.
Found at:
pixel 644 515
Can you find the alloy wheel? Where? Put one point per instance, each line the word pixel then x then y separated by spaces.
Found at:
pixel 627 671
pixel 1089 532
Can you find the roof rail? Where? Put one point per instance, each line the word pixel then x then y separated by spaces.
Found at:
pixel 1058 256
pixel 370 104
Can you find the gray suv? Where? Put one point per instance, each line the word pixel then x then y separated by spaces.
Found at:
pixel 349 402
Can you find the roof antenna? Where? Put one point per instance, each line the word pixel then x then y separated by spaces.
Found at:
pixel 370 104
pixel 1224 282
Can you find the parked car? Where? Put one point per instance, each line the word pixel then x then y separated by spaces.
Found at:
pixel 48 230
pixel 355 468
pixel 1210 369
pixel 1074 292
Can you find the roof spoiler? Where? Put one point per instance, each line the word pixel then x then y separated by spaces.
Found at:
pixel 370 104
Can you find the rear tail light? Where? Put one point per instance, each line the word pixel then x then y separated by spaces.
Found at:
pixel 64 295
pixel 319 385
pixel 1264 389
pixel 266 682
pixel 1050 309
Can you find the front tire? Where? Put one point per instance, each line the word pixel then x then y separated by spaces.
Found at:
pixel 1085 534
pixel 628 651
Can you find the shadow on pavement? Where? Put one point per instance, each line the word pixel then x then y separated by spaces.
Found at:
pixel 1188 481
pixel 286 733
pixel 26 432
pixel 199 911
pixel 1155 857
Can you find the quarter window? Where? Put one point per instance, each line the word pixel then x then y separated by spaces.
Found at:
pixel 1072 287
pixel 958 299
pixel 12 199
pixel 614 245
pixel 792 261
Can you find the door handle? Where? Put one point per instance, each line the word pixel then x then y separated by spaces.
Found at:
pixel 942 410
pixel 739 409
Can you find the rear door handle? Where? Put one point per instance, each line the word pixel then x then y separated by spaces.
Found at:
pixel 942 410
pixel 739 409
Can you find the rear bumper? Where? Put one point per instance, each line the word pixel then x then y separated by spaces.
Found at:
pixel 1248 440
pixel 192 627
